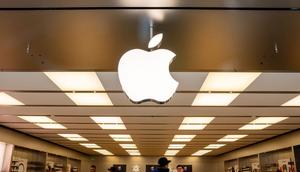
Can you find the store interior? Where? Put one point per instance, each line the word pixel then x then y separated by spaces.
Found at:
pixel 77 91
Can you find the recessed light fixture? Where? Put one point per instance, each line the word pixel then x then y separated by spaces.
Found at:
pixel 262 123
pixel 121 137
pixel 223 81
pixel 6 99
pixel 90 99
pixel 134 152
pixel 214 146
pixel 90 145
pixel 176 146
pixel 51 126
pixel 195 123
pixel 76 81
pixel 183 138
pixel 128 146
pixel 214 99
pixel 201 152
pixel 73 137
pixel 112 123
pixel 43 122
pixel 103 152
pixel 228 81
pixel 231 138
pixel 69 135
pixel 293 102
pixel 171 152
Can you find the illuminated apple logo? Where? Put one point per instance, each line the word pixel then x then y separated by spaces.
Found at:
pixel 145 75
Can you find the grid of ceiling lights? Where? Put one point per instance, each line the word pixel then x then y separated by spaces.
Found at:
pixel 85 143
pixel 116 123
pixel 218 89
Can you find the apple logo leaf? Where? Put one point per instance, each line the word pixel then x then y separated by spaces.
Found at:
pixel 155 41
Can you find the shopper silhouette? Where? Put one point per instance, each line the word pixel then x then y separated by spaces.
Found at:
pixel 163 163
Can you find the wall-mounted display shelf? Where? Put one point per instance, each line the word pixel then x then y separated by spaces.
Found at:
pixel 231 165
pixel 249 164
pixel 73 165
pixel 282 160
pixel 56 163
pixel 28 160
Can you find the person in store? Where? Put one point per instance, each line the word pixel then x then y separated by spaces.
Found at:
pixel 180 168
pixel 163 163
pixel 112 169
pixel 93 168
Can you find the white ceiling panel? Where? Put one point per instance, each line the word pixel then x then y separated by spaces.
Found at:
pixel 26 81
pixel 276 82
pixel 42 98
pixel 255 99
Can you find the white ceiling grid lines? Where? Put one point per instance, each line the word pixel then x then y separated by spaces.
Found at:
pixel 149 128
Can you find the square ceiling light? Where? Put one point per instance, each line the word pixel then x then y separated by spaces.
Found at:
pixel 176 146
pixel 171 152
pixel 73 137
pixel 121 137
pixel 214 99
pixel 112 123
pixel 103 152
pixel 183 138
pixel 195 123
pixel 262 123
pixel 231 138
pixel 43 122
pixel 134 152
pixel 90 99
pixel 76 81
pixel 81 81
pixel 90 145
pixel 228 81
pixel 293 102
pixel 214 146
pixel 51 126
pixel 201 152
pixel 6 99
pixel 128 146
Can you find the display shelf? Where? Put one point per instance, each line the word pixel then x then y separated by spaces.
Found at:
pixel 231 165
pixel 283 160
pixel 56 163
pixel 277 160
pixel 27 159
pixel 73 165
pixel 249 163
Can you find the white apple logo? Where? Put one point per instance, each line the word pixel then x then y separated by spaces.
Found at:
pixel 145 75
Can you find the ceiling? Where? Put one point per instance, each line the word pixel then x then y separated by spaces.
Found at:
pixel 153 3
pixel 151 126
